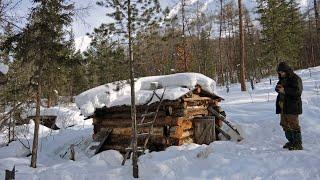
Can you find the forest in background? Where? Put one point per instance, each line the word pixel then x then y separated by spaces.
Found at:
pixel 43 59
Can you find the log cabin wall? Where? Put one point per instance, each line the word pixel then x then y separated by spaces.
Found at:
pixel 174 124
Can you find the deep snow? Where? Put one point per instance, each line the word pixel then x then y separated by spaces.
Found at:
pixel 118 93
pixel 259 156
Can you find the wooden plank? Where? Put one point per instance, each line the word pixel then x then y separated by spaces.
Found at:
pixel 104 136
pixel 225 134
pixel 206 135
pixel 204 129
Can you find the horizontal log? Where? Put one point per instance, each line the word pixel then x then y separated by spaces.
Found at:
pixel 128 130
pixel 125 139
pixel 198 98
pixel 177 131
pixel 191 112
pixel 180 134
pixel 176 121
pixel 195 103
pixel 43 117
pixel 139 108
pixel 125 115
pixel 186 125
pixel 128 123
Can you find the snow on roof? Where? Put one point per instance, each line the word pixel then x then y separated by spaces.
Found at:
pixel 4 68
pixel 118 93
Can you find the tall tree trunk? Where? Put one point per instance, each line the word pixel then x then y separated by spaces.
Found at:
pixel 36 129
pixel 316 16
pixel 183 4
pixel 311 44
pixel 242 51
pixel 317 44
pixel 133 103
pixel 220 38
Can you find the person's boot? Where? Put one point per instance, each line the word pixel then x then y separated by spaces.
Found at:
pixel 289 137
pixel 297 141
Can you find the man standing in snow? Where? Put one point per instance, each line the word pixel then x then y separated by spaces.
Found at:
pixel 289 105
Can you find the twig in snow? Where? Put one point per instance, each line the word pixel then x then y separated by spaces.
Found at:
pixel 27 147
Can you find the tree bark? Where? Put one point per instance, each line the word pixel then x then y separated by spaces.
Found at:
pixel 316 16
pixel 183 4
pixel 36 129
pixel 242 51
pixel 220 38
pixel 133 103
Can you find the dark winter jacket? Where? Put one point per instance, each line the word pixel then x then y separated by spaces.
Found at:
pixel 292 84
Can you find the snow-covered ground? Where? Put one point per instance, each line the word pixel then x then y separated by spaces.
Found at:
pixel 259 156
pixel 4 68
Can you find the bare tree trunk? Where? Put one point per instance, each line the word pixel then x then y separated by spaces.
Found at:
pixel 133 103
pixel 183 4
pixel 317 44
pixel 316 16
pixel 311 44
pixel 220 37
pixel 36 129
pixel 9 130
pixel 242 51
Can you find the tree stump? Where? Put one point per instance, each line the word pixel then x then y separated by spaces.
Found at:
pixel 72 153
pixel 10 175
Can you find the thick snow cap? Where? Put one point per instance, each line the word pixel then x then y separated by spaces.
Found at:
pixel 118 93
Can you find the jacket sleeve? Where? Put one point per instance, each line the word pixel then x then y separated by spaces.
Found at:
pixel 295 88
pixel 275 88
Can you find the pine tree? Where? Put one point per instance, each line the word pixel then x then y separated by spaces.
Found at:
pixel 105 59
pixel 281 30
pixel 41 45
pixel 131 18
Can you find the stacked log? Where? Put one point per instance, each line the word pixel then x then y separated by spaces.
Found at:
pixel 174 124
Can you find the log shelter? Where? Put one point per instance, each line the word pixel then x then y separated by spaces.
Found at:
pixel 179 121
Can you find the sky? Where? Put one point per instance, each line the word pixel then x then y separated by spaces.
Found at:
pixel 95 15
